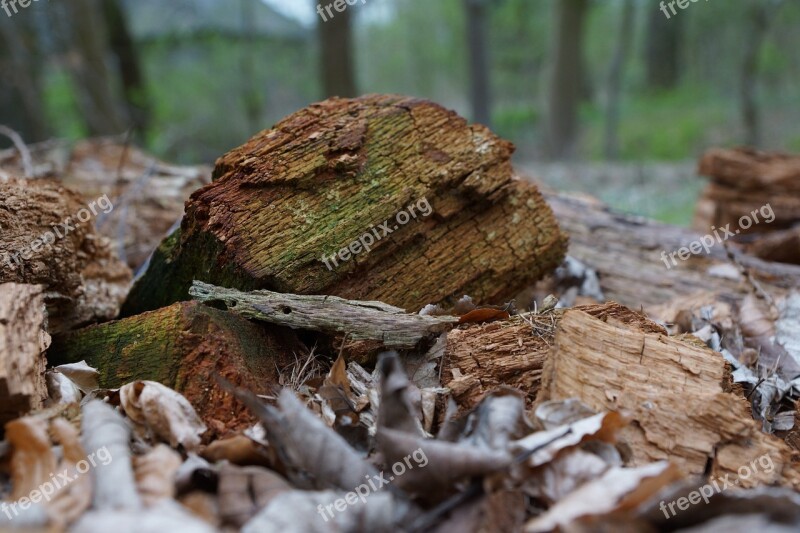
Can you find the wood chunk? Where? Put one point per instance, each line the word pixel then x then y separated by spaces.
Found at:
pixel 148 194
pixel 340 169
pixel 23 340
pixel 184 347
pixel 84 281
pixel 674 392
pixel 479 358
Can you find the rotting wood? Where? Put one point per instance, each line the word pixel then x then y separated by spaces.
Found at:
pixel 377 321
pixel 23 340
pixel 673 390
pixel 625 251
pixel 340 169
pixel 84 281
pixel 184 347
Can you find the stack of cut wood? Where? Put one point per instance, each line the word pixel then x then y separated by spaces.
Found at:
pixel 743 180
pixel 335 314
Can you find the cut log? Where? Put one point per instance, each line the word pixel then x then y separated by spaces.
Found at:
pixel 676 391
pixel 184 347
pixel 23 340
pixel 432 200
pixel 626 253
pixel 48 239
pixel 147 194
pixel 742 181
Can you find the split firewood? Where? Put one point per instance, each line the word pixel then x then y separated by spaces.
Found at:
pixel 183 347
pixel 23 340
pixel 742 181
pixel 675 390
pixel 374 198
pixel 360 320
pixel 49 239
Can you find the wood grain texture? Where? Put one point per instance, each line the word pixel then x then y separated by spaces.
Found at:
pixel 23 340
pixel 377 321
pixel 331 172
pixel 674 391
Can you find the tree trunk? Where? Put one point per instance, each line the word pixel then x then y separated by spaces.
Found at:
pixel 84 37
pixel 21 105
pixel 756 28
pixel 338 61
pixel 479 75
pixel 23 341
pixel 185 346
pixel 615 79
pixel 124 48
pixel 663 50
pixel 567 78
pixel 429 202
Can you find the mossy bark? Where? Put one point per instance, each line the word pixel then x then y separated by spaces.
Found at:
pixel 335 171
pixel 184 346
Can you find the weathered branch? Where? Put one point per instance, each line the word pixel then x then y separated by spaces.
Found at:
pixel 360 320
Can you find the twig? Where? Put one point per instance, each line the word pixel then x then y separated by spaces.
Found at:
pixel 22 148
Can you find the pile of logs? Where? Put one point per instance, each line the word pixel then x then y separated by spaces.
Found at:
pixel 297 247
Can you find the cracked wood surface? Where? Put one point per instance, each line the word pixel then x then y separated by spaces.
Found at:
pixel 676 392
pixel 331 172
pixel 359 320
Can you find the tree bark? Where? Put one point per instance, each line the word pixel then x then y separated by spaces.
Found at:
pixel 479 74
pixel 567 79
pixel 615 79
pixel 337 59
pixel 23 340
pixel 185 346
pixel 282 205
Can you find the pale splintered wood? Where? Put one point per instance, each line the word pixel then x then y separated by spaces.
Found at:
pixel 23 341
pixel 675 392
pixel 360 320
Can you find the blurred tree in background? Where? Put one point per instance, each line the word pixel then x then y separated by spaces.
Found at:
pixel 564 79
